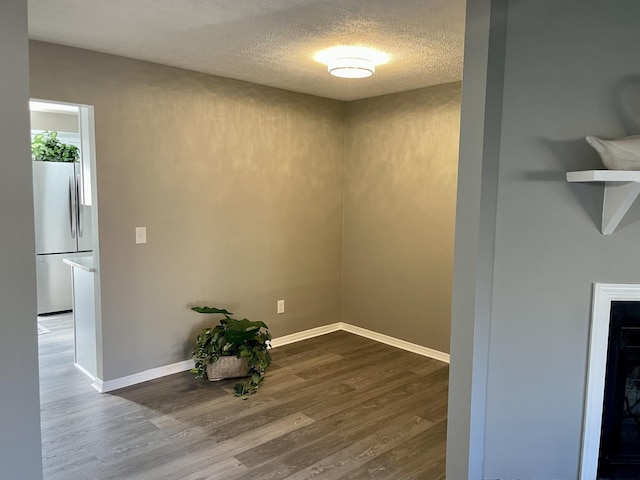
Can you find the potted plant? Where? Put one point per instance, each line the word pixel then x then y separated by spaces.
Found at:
pixel 233 348
pixel 46 147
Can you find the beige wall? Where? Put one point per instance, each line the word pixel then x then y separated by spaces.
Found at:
pixel 399 213
pixel 241 190
pixel 239 186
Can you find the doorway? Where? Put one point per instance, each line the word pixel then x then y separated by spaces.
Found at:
pixel 63 156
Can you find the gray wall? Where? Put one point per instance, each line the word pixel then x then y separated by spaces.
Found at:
pixel 239 186
pixel 400 185
pixel 20 451
pixel 570 69
pixel 475 234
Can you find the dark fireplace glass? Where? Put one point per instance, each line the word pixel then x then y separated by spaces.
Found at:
pixel 630 428
pixel 620 436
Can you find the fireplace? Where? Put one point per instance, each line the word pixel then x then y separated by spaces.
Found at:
pixel 619 453
pixel 611 428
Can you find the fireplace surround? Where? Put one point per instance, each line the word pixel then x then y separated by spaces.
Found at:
pixel 612 407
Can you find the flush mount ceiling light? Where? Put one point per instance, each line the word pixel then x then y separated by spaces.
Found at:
pixel 351 62
pixel 348 67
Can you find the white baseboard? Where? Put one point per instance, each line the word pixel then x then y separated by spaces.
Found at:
pixel 395 342
pixel 363 332
pixel 305 335
pixel 84 371
pixel 110 385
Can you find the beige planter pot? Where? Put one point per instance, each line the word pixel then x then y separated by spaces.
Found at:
pixel 227 367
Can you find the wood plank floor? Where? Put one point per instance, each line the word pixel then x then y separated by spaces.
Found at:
pixel 334 407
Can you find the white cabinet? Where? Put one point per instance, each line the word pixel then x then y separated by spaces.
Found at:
pixel 84 316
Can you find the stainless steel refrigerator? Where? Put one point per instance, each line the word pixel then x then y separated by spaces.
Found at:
pixel 63 230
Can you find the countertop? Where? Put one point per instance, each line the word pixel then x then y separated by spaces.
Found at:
pixel 84 263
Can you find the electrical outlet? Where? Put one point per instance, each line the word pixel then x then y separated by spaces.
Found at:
pixel 280 306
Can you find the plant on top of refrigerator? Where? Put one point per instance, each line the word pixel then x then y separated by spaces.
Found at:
pixel 47 148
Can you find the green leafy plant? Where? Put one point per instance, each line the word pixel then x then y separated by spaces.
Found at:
pixel 240 338
pixel 47 148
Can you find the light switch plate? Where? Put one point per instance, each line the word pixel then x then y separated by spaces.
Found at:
pixel 141 234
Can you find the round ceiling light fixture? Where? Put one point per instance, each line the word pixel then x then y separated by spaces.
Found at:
pixel 349 67
pixel 350 61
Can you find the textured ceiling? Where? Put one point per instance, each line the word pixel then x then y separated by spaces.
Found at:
pixel 270 43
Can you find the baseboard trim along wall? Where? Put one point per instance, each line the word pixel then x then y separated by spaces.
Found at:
pixel 110 385
pixel 395 342
pixel 305 335
pixel 84 371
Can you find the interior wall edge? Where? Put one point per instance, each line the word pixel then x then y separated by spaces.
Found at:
pixel 482 90
pixel 20 437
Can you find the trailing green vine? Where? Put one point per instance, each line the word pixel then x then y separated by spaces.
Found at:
pixel 231 337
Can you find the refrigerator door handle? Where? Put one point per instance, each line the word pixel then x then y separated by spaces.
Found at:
pixel 72 205
pixel 79 206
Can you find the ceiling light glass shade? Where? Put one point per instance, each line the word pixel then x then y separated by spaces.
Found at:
pixel 348 67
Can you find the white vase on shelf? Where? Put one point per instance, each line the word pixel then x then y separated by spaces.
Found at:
pixel 620 154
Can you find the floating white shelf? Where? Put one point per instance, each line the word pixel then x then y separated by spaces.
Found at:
pixel 621 188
